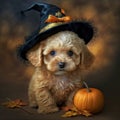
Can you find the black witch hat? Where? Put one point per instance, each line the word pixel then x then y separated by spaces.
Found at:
pixel 52 21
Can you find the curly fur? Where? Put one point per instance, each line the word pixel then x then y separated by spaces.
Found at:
pixel 52 86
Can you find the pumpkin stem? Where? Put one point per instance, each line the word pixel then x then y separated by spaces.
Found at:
pixel 88 89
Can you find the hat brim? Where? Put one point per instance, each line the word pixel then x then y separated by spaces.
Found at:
pixel 83 29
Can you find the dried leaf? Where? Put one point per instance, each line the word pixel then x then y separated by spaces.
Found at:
pixel 73 111
pixel 17 103
pixel 70 114
pixel 86 113
pixel 14 103
pixel 70 111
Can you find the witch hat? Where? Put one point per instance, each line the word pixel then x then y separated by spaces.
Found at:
pixel 52 21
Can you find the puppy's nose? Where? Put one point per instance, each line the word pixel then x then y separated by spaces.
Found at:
pixel 61 64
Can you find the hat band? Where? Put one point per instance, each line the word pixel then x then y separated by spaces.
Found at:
pixel 51 25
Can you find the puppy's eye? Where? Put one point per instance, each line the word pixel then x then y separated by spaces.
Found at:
pixel 70 53
pixel 52 53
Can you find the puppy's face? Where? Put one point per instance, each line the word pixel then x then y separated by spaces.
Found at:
pixel 62 51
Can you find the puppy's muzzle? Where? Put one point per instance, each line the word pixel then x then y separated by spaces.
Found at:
pixel 61 65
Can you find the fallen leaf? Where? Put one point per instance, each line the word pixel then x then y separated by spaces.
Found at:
pixel 74 109
pixel 86 113
pixel 70 114
pixel 17 103
pixel 71 111
pixel 14 103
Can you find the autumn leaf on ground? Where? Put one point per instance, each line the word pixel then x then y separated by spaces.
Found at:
pixel 86 113
pixel 70 114
pixel 17 103
pixel 71 111
pixel 14 103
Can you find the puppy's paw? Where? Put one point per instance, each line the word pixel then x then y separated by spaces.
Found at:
pixel 33 105
pixel 48 110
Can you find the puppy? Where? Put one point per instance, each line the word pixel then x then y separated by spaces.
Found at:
pixel 59 61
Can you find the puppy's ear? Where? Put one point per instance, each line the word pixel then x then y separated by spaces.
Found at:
pixel 86 58
pixel 35 55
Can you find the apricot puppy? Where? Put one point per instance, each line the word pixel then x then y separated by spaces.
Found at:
pixel 59 61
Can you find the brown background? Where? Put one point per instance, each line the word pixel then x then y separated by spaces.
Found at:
pixel 104 74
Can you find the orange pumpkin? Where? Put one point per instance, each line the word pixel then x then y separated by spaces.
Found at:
pixel 89 99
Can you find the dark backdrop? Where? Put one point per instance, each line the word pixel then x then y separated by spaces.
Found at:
pixel 104 74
